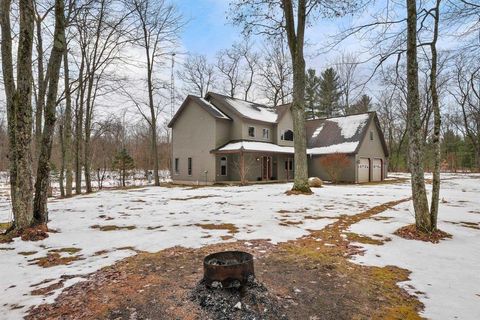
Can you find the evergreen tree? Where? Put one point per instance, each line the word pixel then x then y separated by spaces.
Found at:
pixel 312 86
pixel 123 162
pixel 362 105
pixel 329 94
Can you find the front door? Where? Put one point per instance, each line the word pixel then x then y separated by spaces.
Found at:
pixel 266 168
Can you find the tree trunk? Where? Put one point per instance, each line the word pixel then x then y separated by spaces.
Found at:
pixel 414 124
pixel 79 128
pixel 67 137
pixel 296 43
pixel 61 178
pixel 19 108
pixel 43 168
pixel 42 88
pixel 437 123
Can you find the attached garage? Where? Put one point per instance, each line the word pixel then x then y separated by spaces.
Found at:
pixel 363 170
pixel 377 169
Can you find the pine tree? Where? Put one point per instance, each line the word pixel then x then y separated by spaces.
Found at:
pixel 362 105
pixel 312 86
pixel 123 162
pixel 329 94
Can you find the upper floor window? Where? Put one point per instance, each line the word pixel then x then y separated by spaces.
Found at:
pixel 287 135
pixel 251 131
pixel 176 165
pixel 266 133
pixel 371 135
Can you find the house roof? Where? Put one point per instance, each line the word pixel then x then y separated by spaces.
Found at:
pixel 340 134
pixel 245 109
pixel 252 146
pixel 204 104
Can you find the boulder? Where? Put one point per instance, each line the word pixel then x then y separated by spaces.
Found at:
pixel 315 182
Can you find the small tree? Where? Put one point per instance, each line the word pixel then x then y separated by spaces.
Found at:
pixel 123 162
pixel 334 164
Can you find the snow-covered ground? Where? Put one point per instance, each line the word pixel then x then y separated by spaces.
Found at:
pixel 445 276
pixel 160 217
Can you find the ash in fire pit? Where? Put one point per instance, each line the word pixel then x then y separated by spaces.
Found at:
pixel 228 268
pixel 229 289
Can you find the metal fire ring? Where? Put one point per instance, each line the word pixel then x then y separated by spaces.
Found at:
pixel 228 268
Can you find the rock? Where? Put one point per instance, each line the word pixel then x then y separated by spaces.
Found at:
pixel 216 285
pixel 315 182
pixel 238 305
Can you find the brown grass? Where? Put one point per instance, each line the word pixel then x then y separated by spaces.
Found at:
pixel 112 227
pixel 411 232
pixel 54 259
pixel 192 198
pixel 232 229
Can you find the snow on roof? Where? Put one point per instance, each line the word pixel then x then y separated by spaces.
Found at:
pixel 220 113
pixel 317 131
pixel 351 124
pixel 345 147
pixel 256 146
pixel 252 110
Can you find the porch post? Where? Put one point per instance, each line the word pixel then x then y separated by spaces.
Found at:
pixel 242 167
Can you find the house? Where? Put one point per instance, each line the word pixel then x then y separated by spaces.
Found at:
pixel 221 139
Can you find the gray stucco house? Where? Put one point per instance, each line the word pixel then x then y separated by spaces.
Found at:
pixel 219 139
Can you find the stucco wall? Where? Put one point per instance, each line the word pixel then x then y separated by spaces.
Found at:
pixel 285 123
pixel 258 131
pixel 373 148
pixel 193 135
pixel 315 169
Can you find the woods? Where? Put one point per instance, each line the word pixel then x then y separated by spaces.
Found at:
pixel 75 60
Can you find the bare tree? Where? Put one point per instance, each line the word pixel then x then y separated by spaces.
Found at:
pixel 228 65
pixel 157 26
pixel 276 72
pixel 346 67
pixel 19 108
pixel 197 75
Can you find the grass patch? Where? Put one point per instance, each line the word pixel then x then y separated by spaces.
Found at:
pixel 193 198
pixel 27 253
pixel 410 232
pixel 112 227
pixel 69 250
pixel 232 229
pixel 55 259
pixel 354 237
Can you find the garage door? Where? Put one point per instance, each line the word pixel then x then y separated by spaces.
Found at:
pixel 363 170
pixel 377 170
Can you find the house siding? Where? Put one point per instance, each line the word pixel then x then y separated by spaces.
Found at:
pixel 315 169
pixel 372 148
pixel 285 123
pixel 194 136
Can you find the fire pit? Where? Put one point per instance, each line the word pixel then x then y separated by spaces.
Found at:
pixel 230 268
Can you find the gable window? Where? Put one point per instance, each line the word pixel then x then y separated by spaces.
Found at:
pixel 189 166
pixel 266 133
pixel 251 131
pixel 223 166
pixel 176 165
pixel 287 135
pixel 371 135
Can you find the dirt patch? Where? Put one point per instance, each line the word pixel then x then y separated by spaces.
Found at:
pixel 27 253
pixel 112 227
pixel 192 198
pixel 232 229
pixel 410 232
pixel 54 257
pixel 305 278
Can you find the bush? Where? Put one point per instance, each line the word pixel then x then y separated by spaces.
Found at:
pixel 334 164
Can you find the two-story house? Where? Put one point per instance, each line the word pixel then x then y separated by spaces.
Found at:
pixel 221 139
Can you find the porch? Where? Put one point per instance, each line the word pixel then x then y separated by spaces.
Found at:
pixel 243 165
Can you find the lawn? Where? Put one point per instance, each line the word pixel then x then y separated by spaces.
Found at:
pixel 349 227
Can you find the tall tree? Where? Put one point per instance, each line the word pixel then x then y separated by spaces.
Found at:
pixel 346 67
pixel 228 66
pixel 157 27
pixel 312 94
pixel 414 125
pixel 363 104
pixel 290 18
pixel 329 93
pixel 19 108
pixel 43 168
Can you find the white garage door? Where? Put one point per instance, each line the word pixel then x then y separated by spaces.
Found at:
pixel 377 170
pixel 363 170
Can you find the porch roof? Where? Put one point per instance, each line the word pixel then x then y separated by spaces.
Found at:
pixel 253 146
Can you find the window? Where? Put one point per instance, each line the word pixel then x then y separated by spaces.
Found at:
pixel 289 164
pixel 371 135
pixel 251 131
pixel 189 166
pixel 266 133
pixel 287 135
pixel 176 166
pixel 223 166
